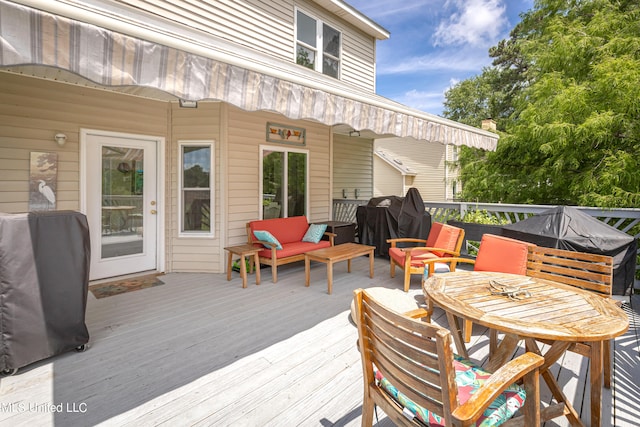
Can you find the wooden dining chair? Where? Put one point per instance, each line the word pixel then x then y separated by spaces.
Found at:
pixel 412 374
pixel 496 253
pixel 444 240
pixel 592 272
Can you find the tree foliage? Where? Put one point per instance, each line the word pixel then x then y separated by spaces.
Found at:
pixel 565 89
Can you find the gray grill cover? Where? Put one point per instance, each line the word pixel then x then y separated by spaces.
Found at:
pixel 44 277
pixel 565 227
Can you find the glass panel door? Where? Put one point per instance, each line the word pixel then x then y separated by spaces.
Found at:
pixel 296 184
pixel 122 191
pixel 121 195
pixel 284 182
pixel 272 184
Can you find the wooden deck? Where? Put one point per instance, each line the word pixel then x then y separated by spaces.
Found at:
pixel 199 350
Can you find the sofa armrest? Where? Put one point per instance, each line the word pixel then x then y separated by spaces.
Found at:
pixel 265 243
pixel 331 236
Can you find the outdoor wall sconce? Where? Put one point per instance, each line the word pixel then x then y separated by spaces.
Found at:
pixel 354 133
pixel 344 193
pixel 60 138
pixel 188 104
pixel 356 192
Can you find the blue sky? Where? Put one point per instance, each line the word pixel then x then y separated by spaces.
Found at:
pixel 435 44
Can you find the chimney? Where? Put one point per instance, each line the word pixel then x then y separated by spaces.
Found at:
pixel 489 124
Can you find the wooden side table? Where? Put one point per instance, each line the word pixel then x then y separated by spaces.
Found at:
pixel 243 251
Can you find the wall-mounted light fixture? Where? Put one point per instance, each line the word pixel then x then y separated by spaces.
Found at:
pixel 188 104
pixel 356 192
pixel 354 133
pixel 60 138
pixel 344 193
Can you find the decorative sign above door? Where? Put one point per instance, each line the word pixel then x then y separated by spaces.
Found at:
pixel 285 134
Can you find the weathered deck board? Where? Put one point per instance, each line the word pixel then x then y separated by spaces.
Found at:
pixel 199 350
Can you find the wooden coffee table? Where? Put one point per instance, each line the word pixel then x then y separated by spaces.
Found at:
pixel 334 254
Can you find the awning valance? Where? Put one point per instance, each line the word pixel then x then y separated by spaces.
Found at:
pixel 31 37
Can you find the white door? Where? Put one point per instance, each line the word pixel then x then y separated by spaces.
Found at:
pixel 121 202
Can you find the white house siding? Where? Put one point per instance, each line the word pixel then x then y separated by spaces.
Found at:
pixel 352 167
pixel 184 253
pixel 452 174
pixel 269 28
pixel 426 158
pixel 388 180
pixel 32 111
pixel 245 133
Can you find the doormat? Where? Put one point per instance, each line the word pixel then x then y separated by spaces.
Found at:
pixel 103 290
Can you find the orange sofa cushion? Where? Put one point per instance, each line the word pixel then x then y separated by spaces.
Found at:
pixel 286 230
pixel 502 254
pixel 295 248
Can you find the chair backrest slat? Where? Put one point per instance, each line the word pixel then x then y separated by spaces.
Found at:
pixel 593 272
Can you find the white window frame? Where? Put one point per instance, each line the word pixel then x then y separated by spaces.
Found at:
pixel 319 48
pixel 285 203
pixel 212 146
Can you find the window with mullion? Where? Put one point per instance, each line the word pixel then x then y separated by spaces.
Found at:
pixel 196 188
pixel 317 45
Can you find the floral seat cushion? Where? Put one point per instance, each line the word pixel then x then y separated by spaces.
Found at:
pixel 469 377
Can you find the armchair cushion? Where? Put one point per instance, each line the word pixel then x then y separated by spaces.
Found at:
pixel 446 239
pixel 469 377
pixel 417 260
pixel 265 236
pixel 502 254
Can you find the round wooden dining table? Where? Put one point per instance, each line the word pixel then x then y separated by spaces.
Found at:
pixel 542 310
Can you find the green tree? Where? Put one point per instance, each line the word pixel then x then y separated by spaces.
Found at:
pixel 573 136
pixel 472 100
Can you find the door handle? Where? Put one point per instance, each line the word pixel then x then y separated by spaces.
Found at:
pixel 153 212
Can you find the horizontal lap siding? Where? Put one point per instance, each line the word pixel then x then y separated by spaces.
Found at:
pixel 269 28
pixel 358 60
pixel 427 159
pixel 186 253
pixel 264 26
pixel 388 180
pixel 352 167
pixel 33 111
pixel 246 132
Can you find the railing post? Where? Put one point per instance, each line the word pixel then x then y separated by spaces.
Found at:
pixel 463 210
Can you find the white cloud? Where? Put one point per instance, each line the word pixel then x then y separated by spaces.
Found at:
pixel 424 101
pixel 477 22
pixel 460 60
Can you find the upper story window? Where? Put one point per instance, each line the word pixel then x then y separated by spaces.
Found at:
pixel 317 45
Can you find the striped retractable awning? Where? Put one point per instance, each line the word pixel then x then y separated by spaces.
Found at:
pixel 30 37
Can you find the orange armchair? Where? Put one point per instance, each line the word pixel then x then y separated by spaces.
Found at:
pixel 443 241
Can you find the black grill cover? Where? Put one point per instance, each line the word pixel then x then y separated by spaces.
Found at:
pixel 392 217
pixel 565 227
pixel 44 277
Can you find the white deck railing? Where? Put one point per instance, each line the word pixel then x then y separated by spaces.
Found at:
pixel 624 219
